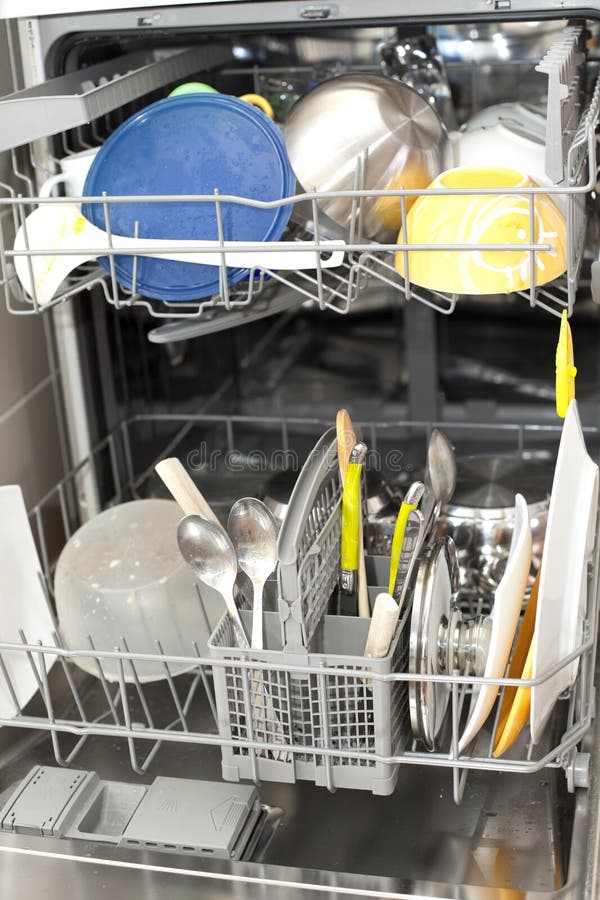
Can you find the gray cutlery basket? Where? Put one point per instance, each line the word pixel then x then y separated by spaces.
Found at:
pixel 335 727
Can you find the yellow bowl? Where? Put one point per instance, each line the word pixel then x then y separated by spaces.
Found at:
pixel 388 210
pixel 459 219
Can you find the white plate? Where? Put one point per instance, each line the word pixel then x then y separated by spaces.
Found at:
pixel 22 599
pixel 508 601
pixel 562 598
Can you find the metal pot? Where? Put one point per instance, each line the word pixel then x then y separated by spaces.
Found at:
pixel 370 121
pixel 481 517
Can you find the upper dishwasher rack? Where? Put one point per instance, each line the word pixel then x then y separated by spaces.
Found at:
pixel 366 264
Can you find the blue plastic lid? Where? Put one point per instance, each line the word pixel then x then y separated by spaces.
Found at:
pixel 190 144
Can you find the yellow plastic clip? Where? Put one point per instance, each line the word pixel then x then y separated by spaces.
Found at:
pixel 565 368
pixel 260 102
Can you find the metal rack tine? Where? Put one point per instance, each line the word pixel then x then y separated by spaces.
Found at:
pixel 28 653
pixel 191 693
pixel 172 688
pixel 319 269
pixel 135 262
pixel 405 254
pixel 127 716
pixel 69 677
pixel 95 132
pixel 223 283
pixel 532 253
pixel 103 682
pixel 111 258
pixel 35 165
pixel 19 174
pixel 138 685
pixel 47 697
pixel 209 693
pixel 455 720
pixel 10 687
pixel 81 140
pixel 23 224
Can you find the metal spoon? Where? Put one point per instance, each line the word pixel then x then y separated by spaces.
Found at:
pixel 207 549
pixel 440 478
pixel 253 531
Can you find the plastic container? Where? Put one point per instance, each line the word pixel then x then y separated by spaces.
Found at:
pixel 121 576
pixel 193 144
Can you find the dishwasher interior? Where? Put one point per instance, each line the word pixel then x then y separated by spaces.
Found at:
pixel 150 379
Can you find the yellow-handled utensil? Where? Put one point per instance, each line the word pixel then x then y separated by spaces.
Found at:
pixel 411 501
pixel 351 519
pixel 346 441
pixel 565 367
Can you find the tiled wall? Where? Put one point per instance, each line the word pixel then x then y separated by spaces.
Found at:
pixel 29 444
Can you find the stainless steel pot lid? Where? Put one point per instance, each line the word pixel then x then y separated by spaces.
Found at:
pixel 491 482
pixel 433 599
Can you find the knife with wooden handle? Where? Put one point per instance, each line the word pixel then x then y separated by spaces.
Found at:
pixel 346 439
pixel 183 489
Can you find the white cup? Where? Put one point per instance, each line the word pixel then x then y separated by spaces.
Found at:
pixel 73 172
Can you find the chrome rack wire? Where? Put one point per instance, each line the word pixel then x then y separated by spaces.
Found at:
pixel 122 711
pixel 335 290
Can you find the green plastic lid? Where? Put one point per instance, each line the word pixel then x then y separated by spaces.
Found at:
pixel 193 87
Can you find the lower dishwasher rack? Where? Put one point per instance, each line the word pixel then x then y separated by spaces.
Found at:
pixel 510 808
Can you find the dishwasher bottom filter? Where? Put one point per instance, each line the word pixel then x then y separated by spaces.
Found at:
pixel 174 815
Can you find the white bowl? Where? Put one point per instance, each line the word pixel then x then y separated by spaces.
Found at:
pixel 121 575
pixel 516 117
pixel 508 134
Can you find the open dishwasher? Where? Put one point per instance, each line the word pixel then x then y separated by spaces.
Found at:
pixel 293 769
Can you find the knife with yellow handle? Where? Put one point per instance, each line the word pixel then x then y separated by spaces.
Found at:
pixel 565 367
pixel 409 554
pixel 351 518
pixel 346 439
pixel 411 501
